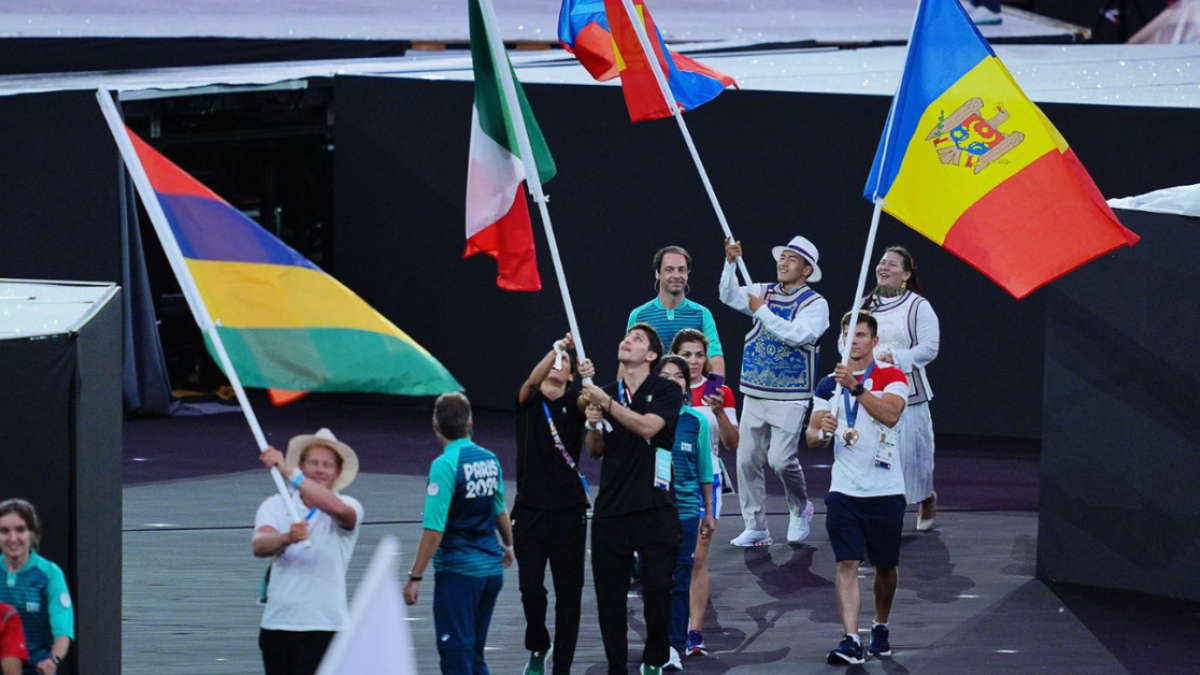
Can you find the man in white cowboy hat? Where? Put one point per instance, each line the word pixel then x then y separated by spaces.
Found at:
pixel 306 588
pixel 778 379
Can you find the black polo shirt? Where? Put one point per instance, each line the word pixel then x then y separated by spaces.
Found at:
pixel 627 473
pixel 544 480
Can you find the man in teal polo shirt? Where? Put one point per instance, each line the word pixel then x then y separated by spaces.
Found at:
pixel 464 510
pixel 671 311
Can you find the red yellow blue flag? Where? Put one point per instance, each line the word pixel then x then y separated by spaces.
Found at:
pixel 285 323
pixel 692 83
pixel 971 163
pixel 583 31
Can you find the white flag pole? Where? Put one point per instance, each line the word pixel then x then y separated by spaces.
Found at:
pixel 636 20
pixel 178 265
pixel 517 115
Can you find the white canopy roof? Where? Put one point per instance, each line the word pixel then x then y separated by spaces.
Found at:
pixel 1134 75
pixel 39 308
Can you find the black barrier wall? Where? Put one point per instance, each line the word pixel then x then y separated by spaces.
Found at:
pixel 782 164
pixel 61 215
pixel 60 411
pixel 1119 505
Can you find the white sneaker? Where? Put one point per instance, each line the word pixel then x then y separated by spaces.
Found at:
pixel 676 663
pixel 982 16
pixel 751 538
pixel 798 528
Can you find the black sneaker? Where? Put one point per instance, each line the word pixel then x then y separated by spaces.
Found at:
pixel 879 642
pixel 848 652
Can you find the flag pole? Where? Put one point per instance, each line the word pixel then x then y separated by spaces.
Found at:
pixel 190 292
pixel 517 115
pixel 876 198
pixel 665 90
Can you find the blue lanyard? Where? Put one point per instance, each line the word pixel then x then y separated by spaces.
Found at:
pixel 626 398
pixel 562 447
pixel 852 410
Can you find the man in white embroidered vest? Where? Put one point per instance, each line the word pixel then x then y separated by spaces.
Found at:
pixel 778 377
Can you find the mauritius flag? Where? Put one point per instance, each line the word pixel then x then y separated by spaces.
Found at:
pixel 285 323
pixel 971 163
pixel 497 213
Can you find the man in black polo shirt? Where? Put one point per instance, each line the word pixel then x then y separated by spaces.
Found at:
pixel 550 513
pixel 631 424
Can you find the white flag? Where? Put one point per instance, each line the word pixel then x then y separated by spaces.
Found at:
pixel 377 639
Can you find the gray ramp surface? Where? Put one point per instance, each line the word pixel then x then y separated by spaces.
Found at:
pixel 967 601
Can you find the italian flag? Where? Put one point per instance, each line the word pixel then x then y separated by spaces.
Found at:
pixel 497 213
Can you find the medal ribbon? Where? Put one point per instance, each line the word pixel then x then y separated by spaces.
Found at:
pixel 626 398
pixel 852 410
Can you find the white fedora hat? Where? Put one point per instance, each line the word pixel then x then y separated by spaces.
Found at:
pixel 806 249
pixel 326 439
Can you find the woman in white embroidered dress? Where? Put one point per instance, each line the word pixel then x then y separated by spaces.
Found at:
pixel 908 338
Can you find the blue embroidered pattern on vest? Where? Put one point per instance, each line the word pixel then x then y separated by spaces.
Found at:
pixel 771 366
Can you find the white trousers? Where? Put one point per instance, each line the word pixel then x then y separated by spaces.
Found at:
pixel 770 434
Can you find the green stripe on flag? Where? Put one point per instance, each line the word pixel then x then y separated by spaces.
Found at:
pixel 333 359
pixel 494 116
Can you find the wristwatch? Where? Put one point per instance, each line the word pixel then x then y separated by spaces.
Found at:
pixel 858 390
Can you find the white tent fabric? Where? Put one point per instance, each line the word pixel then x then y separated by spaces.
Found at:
pixel 1177 24
pixel 1143 75
pixel 740 21
pixel 1183 200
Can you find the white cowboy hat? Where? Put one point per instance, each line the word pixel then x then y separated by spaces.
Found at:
pixel 806 249
pixel 325 438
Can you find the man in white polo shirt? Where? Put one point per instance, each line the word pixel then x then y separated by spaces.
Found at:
pixel 858 408
pixel 306 591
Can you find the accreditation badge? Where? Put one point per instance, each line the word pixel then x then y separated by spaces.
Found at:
pixel 885 450
pixel 662 469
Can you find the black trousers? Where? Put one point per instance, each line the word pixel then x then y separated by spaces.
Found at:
pixel 560 539
pixel 291 652
pixel 654 535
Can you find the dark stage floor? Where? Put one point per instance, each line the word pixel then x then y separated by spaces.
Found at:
pixel 968 599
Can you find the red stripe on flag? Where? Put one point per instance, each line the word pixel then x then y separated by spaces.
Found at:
pixel 282 397
pixel 1035 227
pixel 643 96
pixel 510 241
pixel 593 48
pixel 165 176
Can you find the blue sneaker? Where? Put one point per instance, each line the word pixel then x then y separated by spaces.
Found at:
pixel 848 652
pixel 879 642
pixel 695 644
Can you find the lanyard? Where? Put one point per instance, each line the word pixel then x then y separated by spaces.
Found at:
pixel 626 398
pixel 852 410
pixel 562 448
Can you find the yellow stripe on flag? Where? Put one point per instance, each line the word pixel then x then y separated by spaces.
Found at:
pixel 937 182
pixel 257 295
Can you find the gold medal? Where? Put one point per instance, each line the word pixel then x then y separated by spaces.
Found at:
pixel 851 436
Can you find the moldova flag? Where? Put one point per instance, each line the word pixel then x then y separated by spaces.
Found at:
pixel 497 212
pixel 602 37
pixel 285 323
pixel 971 163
